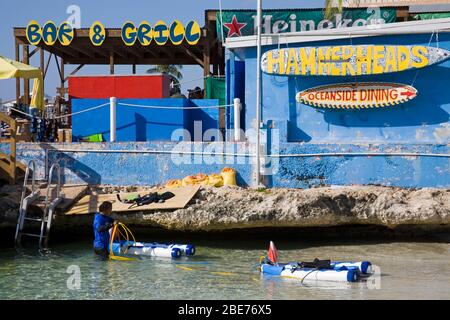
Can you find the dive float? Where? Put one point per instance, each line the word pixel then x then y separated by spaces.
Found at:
pixel 153 249
pixel 339 271
pixel 123 243
pixel 317 270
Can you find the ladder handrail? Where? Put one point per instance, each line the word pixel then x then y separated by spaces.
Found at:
pixel 58 185
pixel 49 208
pixel 48 205
pixel 32 164
pixel 34 191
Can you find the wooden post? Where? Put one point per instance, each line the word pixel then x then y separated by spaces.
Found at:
pixel 26 82
pixel 17 79
pixel 206 59
pixel 206 63
pixel 111 62
pixel 222 68
pixel 63 76
pixel 215 70
pixel 221 54
pixel 10 164
pixel 12 155
pixel 42 62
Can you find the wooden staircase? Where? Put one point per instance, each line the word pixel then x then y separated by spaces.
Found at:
pixel 5 169
pixel 10 169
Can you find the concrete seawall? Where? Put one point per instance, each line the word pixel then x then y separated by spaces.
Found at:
pixel 121 164
pixel 237 208
pixel 227 208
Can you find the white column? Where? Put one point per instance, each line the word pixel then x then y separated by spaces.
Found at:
pixel 258 94
pixel 112 119
pixel 237 119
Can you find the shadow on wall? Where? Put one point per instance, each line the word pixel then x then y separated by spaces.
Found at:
pixel 141 127
pixel 240 180
pixel 293 128
pixel 66 162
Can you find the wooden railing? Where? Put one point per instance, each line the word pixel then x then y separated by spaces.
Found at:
pixel 8 161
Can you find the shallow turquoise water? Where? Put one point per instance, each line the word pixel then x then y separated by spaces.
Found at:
pixel 225 270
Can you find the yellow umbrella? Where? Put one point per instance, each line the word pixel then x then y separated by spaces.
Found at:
pixel 37 98
pixel 14 69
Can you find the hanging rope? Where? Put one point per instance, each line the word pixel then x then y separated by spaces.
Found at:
pixel 24 113
pixel 174 108
pixel 418 70
pixel 437 39
pixel 274 77
pixel 188 81
pixel 351 43
pixel 82 111
pixel 60 117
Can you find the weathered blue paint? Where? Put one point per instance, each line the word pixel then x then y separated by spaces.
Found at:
pixel 294 172
pixel 133 169
pixel 140 124
pixel 421 125
pixel 425 119
pixel 403 171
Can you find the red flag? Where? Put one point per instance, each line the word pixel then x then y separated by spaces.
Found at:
pixel 273 253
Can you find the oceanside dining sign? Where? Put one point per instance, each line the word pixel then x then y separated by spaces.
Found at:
pixel 357 95
pixel 144 34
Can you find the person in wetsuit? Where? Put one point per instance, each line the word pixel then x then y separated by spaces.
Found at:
pixel 102 223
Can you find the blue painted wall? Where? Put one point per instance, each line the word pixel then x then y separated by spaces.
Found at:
pixel 402 171
pixel 203 118
pixel 133 169
pixel 140 124
pixel 235 87
pixel 419 126
pixel 425 119
pixel 295 172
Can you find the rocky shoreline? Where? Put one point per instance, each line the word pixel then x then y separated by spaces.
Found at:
pixel 231 208
pixel 239 208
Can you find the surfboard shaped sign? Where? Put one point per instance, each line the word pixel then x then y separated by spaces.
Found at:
pixel 350 60
pixel 357 95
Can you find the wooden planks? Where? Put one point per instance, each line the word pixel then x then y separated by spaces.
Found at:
pixel 9 165
pixel 72 194
pixel 90 203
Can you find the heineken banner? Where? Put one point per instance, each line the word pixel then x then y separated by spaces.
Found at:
pixel 243 22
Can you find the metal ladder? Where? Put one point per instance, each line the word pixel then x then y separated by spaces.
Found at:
pixel 49 209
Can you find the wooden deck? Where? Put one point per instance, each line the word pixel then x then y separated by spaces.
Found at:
pixel 72 194
pixel 89 204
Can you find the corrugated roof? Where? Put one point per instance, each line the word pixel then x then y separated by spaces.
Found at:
pixel 295 9
pixel 430 8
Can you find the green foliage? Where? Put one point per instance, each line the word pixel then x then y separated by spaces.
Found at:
pixel 332 7
pixel 173 70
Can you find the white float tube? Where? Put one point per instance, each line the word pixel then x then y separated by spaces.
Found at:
pixel 153 249
pixel 350 275
pixel 365 267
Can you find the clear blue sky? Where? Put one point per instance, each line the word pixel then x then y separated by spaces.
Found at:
pixel 113 13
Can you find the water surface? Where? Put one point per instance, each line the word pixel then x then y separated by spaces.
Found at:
pixel 226 270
